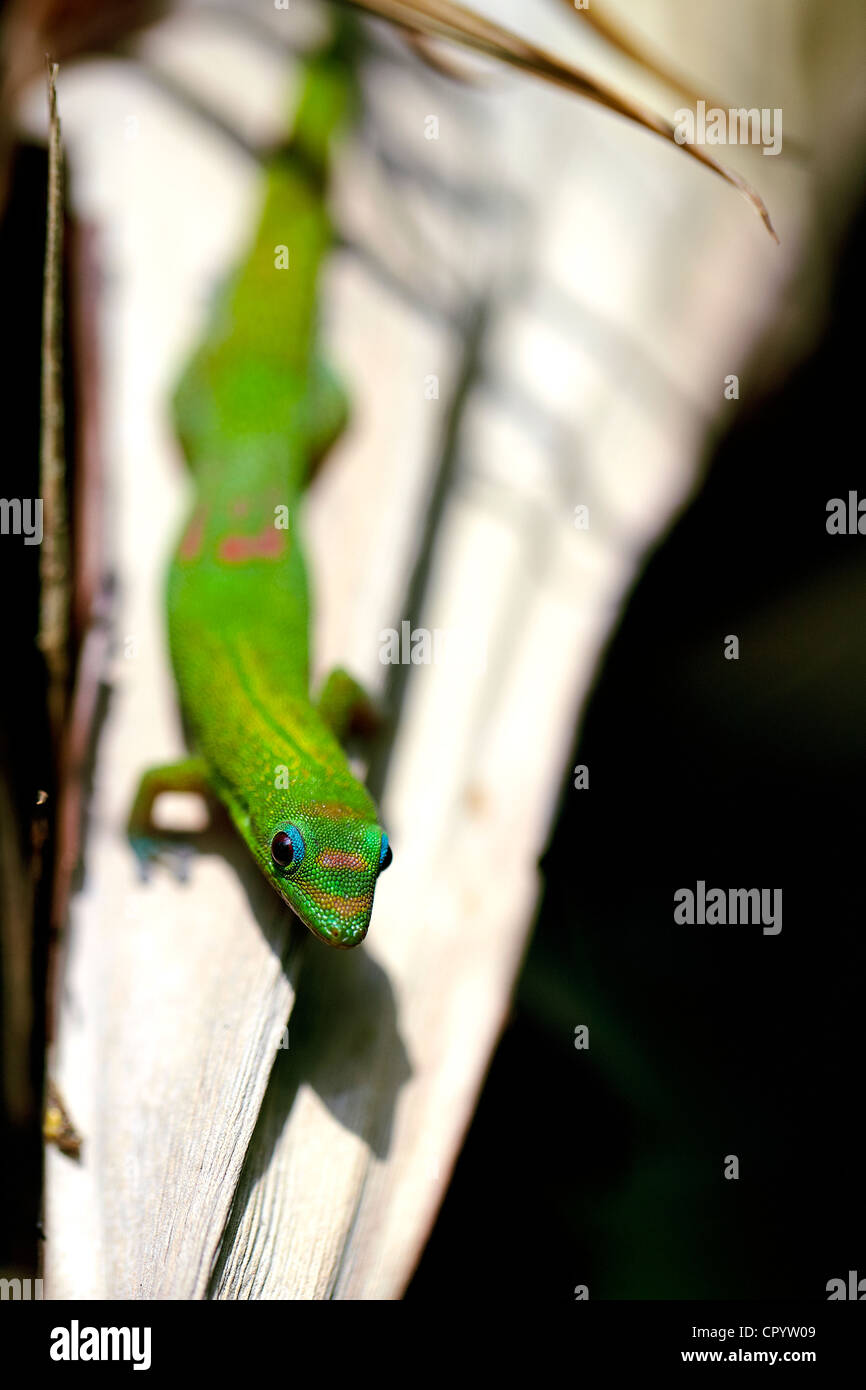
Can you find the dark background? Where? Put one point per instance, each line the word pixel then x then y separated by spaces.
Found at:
pixel 25 756
pixel 605 1167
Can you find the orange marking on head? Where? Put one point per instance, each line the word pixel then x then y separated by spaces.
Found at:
pixel 339 859
pixel 336 903
pixel 334 810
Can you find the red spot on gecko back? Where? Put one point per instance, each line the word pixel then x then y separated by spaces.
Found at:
pixel 268 544
pixel 193 536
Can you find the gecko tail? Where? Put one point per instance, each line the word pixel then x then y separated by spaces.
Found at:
pixel 252 373
pixel 328 100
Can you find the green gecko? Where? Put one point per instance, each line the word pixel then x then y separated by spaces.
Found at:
pixel 255 410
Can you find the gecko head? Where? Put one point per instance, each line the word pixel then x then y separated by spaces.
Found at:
pixel 325 862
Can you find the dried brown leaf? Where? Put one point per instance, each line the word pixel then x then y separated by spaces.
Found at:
pixel 657 64
pixel 443 19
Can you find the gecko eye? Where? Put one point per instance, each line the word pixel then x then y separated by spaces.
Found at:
pixel 287 847
pixel 385 855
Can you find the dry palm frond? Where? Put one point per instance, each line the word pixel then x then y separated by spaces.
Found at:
pixel 445 20
pixel 653 62
pixel 437 59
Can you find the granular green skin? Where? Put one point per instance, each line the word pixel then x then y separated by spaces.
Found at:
pixel 254 410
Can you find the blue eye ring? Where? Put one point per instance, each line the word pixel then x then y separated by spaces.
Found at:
pixel 288 848
pixel 385 854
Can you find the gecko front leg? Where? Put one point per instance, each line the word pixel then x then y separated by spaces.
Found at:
pixel 151 842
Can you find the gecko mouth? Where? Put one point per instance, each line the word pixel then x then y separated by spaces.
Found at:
pixel 340 919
